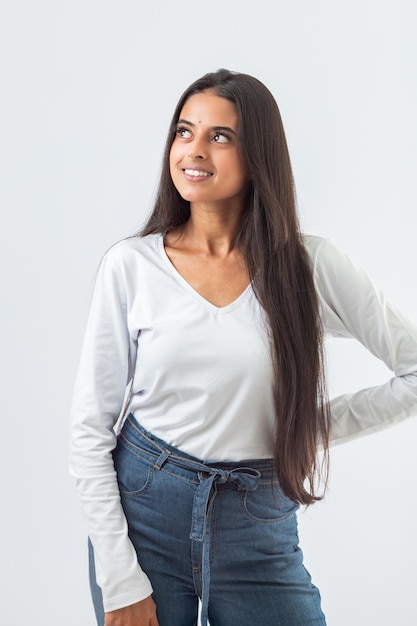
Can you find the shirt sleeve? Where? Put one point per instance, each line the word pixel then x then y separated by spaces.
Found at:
pixel 105 370
pixel 353 307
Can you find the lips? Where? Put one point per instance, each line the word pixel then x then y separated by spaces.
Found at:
pixel 196 173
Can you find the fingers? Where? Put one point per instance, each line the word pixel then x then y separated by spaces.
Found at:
pixel 141 613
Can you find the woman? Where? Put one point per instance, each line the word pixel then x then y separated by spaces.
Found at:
pixel 214 318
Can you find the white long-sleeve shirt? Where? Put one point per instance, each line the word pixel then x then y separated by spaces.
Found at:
pixel 201 378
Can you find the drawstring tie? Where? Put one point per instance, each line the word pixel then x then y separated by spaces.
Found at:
pixel 246 479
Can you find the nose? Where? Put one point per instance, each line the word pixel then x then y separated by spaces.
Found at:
pixel 192 155
pixel 196 149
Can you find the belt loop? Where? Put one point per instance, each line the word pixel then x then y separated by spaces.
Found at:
pixel 161 459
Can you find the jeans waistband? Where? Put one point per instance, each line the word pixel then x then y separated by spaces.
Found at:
pixel 245 475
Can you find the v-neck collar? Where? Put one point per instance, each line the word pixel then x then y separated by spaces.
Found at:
pixel 219 310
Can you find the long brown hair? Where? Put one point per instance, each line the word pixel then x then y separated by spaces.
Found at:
pixel 270 240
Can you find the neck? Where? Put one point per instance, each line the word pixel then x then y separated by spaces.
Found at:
pixel 211 230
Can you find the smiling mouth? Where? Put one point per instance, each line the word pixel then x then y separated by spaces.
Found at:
pixel 197 173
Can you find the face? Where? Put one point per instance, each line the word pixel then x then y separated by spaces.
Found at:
pixel 205 164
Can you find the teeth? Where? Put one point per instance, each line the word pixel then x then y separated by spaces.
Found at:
pixel 196 173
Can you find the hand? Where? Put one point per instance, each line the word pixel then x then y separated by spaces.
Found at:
pixel 141 613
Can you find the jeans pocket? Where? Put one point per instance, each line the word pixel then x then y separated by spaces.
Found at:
pixel 134 474
pixel 267 504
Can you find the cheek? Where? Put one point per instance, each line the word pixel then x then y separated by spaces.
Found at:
pixel 238 171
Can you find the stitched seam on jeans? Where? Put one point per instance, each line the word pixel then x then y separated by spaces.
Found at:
pixel 164 470
pixel 139 492
pixel 136 451
pixel 261 520
pixel 173 458
pixel 142 434
pixel 178 461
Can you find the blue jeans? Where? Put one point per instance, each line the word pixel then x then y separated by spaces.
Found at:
pixel 221 532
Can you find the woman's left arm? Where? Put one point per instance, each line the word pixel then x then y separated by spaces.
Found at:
pixel 353 307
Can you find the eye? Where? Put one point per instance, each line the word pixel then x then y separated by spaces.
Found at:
pixel 221 138
pixel 183 132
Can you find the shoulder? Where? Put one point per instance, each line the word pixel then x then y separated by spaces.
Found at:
pixel 325 257
pixel 132 250
pixel 317 246
pixel 319 250
pixel 335 275
pixel 342 287
pixel 130 260
pixel 132 245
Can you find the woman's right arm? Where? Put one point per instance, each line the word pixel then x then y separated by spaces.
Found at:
pixel 106 367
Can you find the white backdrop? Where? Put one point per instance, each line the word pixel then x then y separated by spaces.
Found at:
pixel 87 90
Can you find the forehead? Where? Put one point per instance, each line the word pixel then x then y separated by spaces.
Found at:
pixel 208 109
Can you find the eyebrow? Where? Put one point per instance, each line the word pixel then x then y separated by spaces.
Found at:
pixel 217 129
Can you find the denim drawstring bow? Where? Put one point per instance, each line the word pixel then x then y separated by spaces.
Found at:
pixel 246 479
